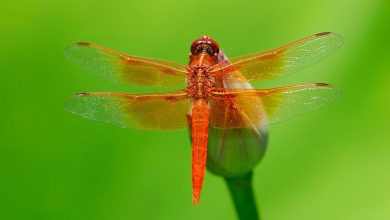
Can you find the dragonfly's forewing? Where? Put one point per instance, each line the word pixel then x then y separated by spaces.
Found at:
pixel 281 61
pixel 118 67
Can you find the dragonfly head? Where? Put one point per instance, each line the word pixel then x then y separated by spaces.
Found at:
pixel 204 43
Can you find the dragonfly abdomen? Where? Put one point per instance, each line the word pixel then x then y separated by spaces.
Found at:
pixel 200 130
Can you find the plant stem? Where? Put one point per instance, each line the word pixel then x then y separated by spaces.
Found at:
pixel 241 191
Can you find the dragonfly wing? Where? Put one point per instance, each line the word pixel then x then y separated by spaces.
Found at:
pixel 246 108
pixel 281 61
pixel 118 67
pixel 235 111
pixel 148 111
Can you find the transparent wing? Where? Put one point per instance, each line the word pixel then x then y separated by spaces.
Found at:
pixel 246 108
pixel 118 67
pixel 149 111
pixel 281 61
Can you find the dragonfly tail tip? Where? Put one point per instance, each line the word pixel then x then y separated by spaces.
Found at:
pixel 195 199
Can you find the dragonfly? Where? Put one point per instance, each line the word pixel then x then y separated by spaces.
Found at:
pixel 203 100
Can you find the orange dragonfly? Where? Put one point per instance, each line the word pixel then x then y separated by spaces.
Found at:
pixel 205 98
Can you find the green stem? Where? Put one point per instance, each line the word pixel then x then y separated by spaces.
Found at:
pixel 241 191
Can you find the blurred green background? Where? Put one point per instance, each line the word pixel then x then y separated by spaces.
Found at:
pixel 330 164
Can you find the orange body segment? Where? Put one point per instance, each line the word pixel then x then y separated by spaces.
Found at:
pixel 200 131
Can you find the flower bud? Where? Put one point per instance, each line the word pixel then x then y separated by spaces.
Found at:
pixel 235 152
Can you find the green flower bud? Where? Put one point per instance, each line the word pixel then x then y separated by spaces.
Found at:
pixel 235 152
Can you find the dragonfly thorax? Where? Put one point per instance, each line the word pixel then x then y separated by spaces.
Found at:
pixel 200 82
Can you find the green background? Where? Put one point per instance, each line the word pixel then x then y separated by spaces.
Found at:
pixel 330 164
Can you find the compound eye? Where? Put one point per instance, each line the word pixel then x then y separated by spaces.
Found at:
pixel 195 49
pixel 198 50
pixel 210 51
pixel 207 43
pixel 214 48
